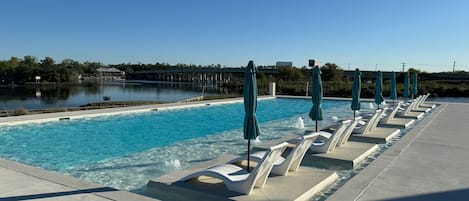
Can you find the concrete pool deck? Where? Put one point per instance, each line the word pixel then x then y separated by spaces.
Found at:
pixel 428 163
pixel 22 182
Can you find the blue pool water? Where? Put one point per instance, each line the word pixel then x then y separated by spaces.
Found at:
pixel 125 151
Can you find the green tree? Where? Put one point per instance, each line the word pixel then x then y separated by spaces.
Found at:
pixel 89 68
pixel 29 61
pixel 47 62
pixel 331 72
pixel 290 74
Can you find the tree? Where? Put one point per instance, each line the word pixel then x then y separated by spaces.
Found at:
pixel 29 61
pixel 90 67
pixel 290 73
pixel 412 70
pixel 47 62
pixel 331 72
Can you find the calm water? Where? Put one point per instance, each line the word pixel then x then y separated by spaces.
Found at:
pixel 56 97
pixel 125 151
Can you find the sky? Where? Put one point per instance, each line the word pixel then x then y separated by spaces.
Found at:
pixel 365 34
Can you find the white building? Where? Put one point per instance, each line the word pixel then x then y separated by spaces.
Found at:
pixel 284 64
pixel 110 74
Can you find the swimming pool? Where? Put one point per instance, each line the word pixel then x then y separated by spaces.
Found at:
pixel 125 151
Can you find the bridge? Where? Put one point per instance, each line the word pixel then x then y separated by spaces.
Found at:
pixel 191 75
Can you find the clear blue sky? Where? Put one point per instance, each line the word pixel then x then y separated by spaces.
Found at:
pixel 428 35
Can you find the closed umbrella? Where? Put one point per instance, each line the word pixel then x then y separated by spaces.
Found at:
pixel 414 84
pixel 378 89
pixel 406 86
pixel 251 127
pixel 392 90
pixel 316 93
pixel 356 90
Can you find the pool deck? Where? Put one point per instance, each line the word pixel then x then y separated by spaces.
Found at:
pixel 22 182
pixel 429 163
pixel 378 135
pixel 348 156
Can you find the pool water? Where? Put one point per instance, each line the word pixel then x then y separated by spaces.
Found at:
pixel 125 151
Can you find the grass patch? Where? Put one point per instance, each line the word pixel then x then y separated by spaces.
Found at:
pixel 119 104
pixel 18 112
pixel 89 106
pixel 220 97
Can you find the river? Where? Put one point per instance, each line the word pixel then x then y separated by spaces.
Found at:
pixel 32 97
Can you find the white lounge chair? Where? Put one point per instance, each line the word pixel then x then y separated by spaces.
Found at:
pixel 408 113
pixel 373 133
pixel 328 141
pixel 293 160
pixel 371 123
pixel 391 120
pixel 391 115
pixel 409 101
pixel 237 178
pixel 426 105
pixel 417 107
pixel 348 131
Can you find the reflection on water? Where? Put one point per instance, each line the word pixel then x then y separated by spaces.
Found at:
pixel 32 97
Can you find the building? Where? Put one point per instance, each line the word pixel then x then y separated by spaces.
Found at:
pixel 110 74
pixel 284 64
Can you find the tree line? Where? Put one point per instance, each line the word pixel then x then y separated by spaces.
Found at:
pixel 24 70
pixel 290 80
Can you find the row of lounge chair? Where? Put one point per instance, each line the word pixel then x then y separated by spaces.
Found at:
pixel 271 161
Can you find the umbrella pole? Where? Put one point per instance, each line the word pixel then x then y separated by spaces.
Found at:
pixel 249 154
pixel 354 115
pixel 316 125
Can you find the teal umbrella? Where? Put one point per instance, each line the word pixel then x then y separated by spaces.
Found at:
pixel 378 89
pixel 356 90
pixel 251 127
pixel 406 86
pixel 414 84
pixel 392 90
pixel 316 93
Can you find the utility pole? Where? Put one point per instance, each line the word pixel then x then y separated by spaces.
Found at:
pixel 403 66
pixel 454 64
